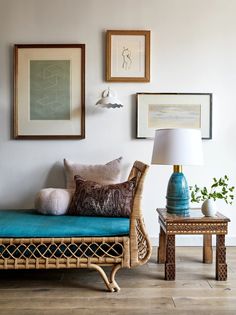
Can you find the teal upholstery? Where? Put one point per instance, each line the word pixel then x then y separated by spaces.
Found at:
pixel 30 224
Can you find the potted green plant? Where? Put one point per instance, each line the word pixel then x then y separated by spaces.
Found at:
pixel 219 189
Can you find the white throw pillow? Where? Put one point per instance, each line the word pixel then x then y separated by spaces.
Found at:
pixel 102 174
pixel 53 201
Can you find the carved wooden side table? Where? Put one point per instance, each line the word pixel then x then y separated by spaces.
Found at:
pixel 196 223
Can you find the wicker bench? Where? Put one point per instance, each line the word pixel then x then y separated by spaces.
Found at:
pixel 121 243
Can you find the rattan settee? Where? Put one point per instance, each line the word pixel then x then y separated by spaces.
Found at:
pixel 124 251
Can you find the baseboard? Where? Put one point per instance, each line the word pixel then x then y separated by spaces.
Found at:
pixel 196 240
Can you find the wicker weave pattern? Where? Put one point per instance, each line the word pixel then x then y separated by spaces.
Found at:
pixel 86 252
pixel 143 246
pixel 62 249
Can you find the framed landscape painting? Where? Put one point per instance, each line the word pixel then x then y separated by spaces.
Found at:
pixel 174 110
pixel 127 56
pixel 49 91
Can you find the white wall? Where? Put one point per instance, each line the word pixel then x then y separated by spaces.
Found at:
pixel 193 47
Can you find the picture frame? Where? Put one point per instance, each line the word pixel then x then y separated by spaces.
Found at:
pixel 49 91
pixel 127 56
pixel 173 110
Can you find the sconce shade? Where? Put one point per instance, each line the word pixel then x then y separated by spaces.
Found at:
pixel 177 147
pixel 109 100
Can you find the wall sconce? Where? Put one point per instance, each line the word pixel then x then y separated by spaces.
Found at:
pixel 109 100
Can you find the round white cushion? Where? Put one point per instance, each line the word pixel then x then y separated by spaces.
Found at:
pixel 53 201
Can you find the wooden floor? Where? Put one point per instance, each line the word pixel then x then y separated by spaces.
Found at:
pixel 143 290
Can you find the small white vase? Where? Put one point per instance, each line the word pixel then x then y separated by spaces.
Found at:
pixel 209 208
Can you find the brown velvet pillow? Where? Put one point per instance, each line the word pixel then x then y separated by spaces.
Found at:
pixel 93 199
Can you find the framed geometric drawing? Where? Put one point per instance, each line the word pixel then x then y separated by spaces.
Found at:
pixel 127 56
pixel 49 91
pixel 173 110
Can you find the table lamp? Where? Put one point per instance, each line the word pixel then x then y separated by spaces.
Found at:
pixel 177 147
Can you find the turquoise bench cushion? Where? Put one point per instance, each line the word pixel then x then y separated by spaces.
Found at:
pixel 30 224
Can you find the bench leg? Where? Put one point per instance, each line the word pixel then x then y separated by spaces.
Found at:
pixel 207 249
pixel 161 251
pixel 111 284
pixel 221 266
pixel 170 258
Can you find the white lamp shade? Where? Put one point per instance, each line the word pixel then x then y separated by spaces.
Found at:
pixel 177 147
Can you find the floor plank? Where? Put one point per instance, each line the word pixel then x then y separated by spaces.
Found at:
pixel 143 290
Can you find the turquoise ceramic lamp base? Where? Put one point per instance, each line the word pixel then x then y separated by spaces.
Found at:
pixel 178 193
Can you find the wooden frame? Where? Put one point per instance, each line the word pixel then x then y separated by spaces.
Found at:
pixel 173 110
pixel 132 64
pixel 49 91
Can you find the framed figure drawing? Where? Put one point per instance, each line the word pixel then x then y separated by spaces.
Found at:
pixel 174 110
pixel 127 56
pixel 49 91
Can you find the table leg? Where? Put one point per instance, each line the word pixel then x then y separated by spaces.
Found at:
pixel 207 249
pixel 170 257
pixel 221 266
pixel 161 252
